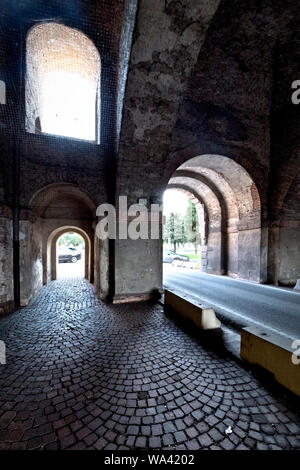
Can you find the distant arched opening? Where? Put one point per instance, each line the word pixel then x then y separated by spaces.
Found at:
pixel 185 223
pixel 232 204
pixel 70 256
pixel 53 254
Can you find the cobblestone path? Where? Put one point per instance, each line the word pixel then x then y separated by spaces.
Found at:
pixel 81 374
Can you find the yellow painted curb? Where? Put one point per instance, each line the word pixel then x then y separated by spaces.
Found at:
pixel 274 353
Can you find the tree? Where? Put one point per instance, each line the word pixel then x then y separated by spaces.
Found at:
pixel 192 225
pixel 71 239
pixel 174 230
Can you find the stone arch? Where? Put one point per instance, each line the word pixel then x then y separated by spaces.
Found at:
pixel 233 202
pixel 52 254
pixel 45 196
pixel 59 207
pixel 231 179
pixel 244 159
pixel 197 200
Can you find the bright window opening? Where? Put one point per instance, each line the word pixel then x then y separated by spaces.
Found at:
pixel 62 83
pixel 2 92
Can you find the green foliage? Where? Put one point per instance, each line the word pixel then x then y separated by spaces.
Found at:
pixel 179 229
pixel 174 230
pixel 194 257
pixel 192 225
pixel 71 239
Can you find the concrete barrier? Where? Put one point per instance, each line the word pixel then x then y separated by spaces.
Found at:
pixel 187 264
pixel 274 353
pixel 204 317
pixel 297 286
pixel 177 264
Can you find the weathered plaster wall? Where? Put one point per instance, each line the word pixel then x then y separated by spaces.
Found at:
pixel 167 41
pixel 289 237
pixel 6 262
pixel 46 159
pixel 31 267
pixel 284 195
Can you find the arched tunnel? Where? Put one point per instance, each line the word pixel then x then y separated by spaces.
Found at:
pixel 149 229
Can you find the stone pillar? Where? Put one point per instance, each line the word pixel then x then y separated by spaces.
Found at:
pixel 138 263
pixel 31 266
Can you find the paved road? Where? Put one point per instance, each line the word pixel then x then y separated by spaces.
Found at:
pixel 243 303
pixel 71 270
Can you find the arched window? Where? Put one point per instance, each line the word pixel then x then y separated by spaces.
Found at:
pixel 2 92
pixel 62 82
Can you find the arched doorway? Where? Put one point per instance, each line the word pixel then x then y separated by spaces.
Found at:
pixel 60 208
pixel 68 253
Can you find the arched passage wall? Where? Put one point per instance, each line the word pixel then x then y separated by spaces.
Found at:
pixel 233 204
pixel 59 206
pixel 284 249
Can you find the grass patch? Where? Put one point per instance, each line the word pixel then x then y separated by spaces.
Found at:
pixel 195 257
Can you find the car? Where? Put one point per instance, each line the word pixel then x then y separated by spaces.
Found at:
pixel 169 256
pixel 68 255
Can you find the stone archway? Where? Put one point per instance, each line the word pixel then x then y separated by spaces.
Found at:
pixel 52 252
pixel 58 207
pixel 54 209
pixel 232 201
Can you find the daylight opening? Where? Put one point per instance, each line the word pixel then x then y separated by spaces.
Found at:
pixel 184 229
pixel 70 256
pixel 62 83
pixel 2 92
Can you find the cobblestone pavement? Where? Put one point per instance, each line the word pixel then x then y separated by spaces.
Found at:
pixel 84 375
